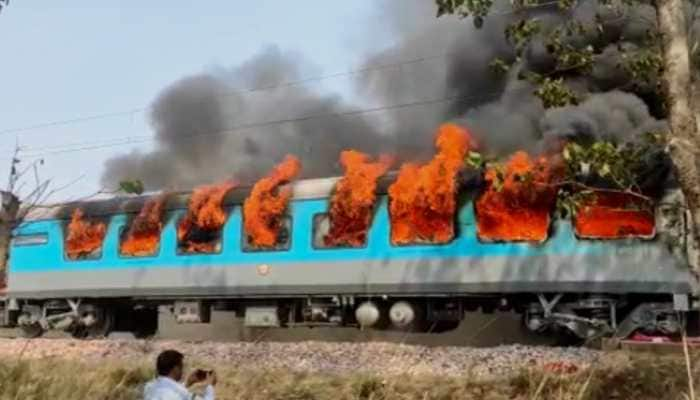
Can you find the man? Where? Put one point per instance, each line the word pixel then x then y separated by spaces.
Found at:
pixel 167 386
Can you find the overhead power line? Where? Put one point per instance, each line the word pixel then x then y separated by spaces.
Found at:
pixel 224 94
pixel 114 142
pixel 144 139
pixel 303 81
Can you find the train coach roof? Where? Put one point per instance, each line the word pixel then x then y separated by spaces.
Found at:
pixel 302 189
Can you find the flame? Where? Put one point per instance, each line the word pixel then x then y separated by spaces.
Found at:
pixel 352 203
pixel 267 203
pixel 422 200
pixel 84 237
pixel 519 208
pixel 205 217
pixel 610 215
pixel 143 235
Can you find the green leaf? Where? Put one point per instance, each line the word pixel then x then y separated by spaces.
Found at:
pixel 521 33
pixel 566 153
pixel 498 65
pixel 131 186
pixel 554 93
pixel 474 160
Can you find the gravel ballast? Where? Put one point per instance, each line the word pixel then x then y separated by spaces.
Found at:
pixel 381 358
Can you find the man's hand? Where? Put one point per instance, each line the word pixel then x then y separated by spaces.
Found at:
pixel 211 379
pixel 194 378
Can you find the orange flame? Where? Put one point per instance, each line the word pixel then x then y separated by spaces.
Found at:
pixel 143 235
pixel 197 231
pixel 610 215
pixel 518 210
pixel 267 203
pixel 84 237
pixel 352 203
pixel 422 200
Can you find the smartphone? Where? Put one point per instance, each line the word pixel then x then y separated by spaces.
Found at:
pixel 202 374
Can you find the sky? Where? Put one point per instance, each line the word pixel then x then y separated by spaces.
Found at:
pixel 65 61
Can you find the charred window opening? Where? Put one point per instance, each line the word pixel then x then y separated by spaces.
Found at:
pixel 614 215
pixel 141 236
pixel 134 245
pixel 195 239
pixel 429 228
pixel 283 241
pixel 84 236
pixel 351 207
pixel 265 208
pixel 322 230
pixel 422 200
pixel 200 229
pixel 516 203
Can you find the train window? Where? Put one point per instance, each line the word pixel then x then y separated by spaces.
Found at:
pixel 192 239
pixel 139 243
pixel 439 231
pixel 30 239
pixel 84 237
pixel 321 240
pixel 284 239
pixel 421 226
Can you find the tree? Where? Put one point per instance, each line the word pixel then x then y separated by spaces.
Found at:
pixel 16 204
pixel 678 79
pixel 9 206
pixel 661 66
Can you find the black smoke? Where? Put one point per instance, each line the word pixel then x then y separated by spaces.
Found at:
pixel 210 127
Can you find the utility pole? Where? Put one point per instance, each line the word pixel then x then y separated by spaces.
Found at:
pixel 9 207
pixel 12 181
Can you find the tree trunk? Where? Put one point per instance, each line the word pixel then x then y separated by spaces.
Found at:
pixel 684 140
pixel 9 206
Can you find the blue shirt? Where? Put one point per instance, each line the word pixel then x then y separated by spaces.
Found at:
pixel 164 388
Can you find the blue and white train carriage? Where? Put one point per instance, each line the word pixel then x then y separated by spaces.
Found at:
pixel 587 287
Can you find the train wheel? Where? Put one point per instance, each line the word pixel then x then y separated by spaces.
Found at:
pixel 31 331
pixel 100 328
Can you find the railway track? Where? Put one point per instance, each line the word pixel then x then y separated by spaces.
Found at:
pixel 477 330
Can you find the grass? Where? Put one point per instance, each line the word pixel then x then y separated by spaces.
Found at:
pixel 624 377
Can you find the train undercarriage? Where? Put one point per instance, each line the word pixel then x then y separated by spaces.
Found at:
pixel 580 317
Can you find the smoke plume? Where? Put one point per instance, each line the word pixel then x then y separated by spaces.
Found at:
pixel 210 127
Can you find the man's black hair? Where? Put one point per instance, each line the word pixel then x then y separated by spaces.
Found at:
pixel 167 361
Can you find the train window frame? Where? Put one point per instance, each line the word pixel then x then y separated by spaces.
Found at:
pixel 99 256
pixel 456 228
pixel 455 235
pixel 314 227
pixel 222 241
pixel 246 248
pixel 121 255
pixel 550 232
pixel 16 239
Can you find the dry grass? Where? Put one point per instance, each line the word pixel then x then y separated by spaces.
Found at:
pixel 623 377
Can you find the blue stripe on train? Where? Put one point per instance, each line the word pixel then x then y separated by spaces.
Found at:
pixel 50 257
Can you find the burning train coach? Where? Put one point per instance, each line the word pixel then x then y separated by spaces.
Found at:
pixel 410 250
